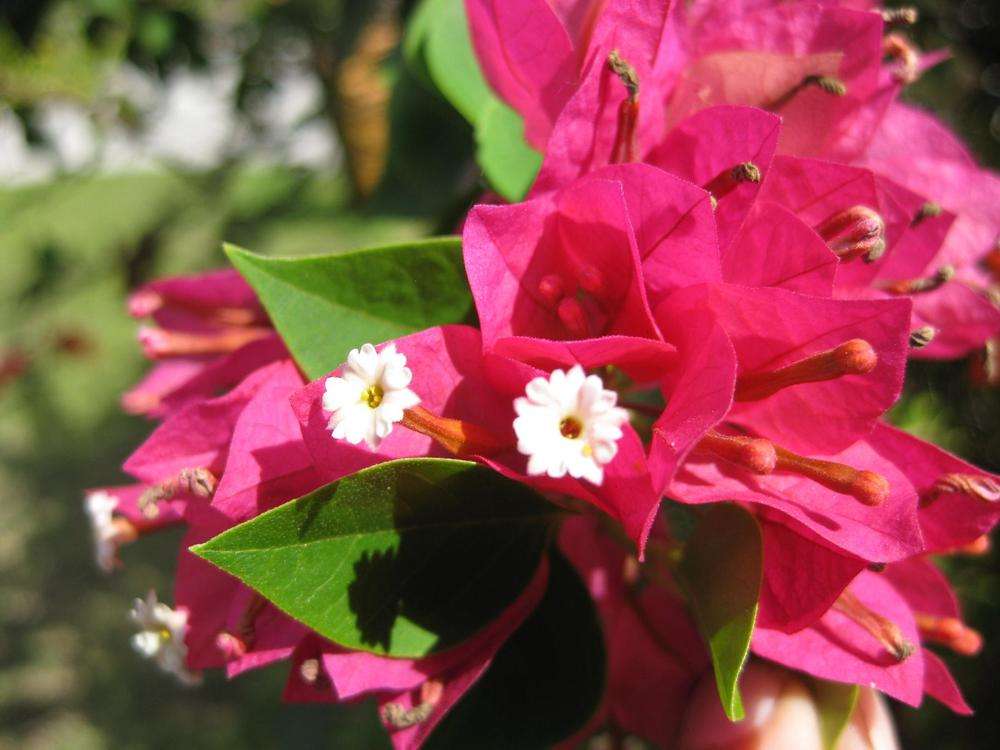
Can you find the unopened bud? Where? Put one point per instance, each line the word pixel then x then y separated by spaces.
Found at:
pixel 591 279
pixel 921 337
pixel 160 343
pixel 885 631
pixel 144 303
pixel 756 454
pixel 551 288
pixel 950 632
pixel 572 315
pixel 195 481
pixel 625 72
pixel 829 84
pixel 309 671
pixel 746 172
pixel 979 486
pixel 230 646
pixel 979 546
pixel 853 357
pixel 854 232
pixel 923 284
pixel 929 210
pixel 867 487
pixel 904 16
pixel 899 48
pixel 397 716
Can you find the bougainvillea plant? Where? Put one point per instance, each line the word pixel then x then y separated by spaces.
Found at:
pixel 534 483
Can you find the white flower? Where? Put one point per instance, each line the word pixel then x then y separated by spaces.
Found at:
pixel 370 396
pixel 568 424
pixel 100 507
pixel 161 637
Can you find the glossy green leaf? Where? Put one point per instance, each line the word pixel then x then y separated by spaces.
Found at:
pixel 324 306
pixel 452 62
pixel 438 45
pixel 403 559
pixel 721 573
pixel 835 702
pixel 544 684
pixel 506 159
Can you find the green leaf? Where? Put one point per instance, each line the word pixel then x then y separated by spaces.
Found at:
pixel 323 306
pixel 438 44
pixel 721 573
pixel 836 702
pixel 402 559
pixel 438 36
pixel 544 684
pixel 507 160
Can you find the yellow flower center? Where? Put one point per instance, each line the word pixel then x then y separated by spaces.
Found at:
pixel 165 635
pixel 372 396
pixel 571 427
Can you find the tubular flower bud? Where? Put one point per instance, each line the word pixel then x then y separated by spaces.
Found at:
pixel 865 486
pixel 454 435
pixel 591 279
pixel 977 486
pixel 950 632
pixel 370 396
pixel 976 548
pixel 236 645
pixel 829 84
pixel 568 423
pixel 925 284
pixel 199 482
pixel 899 48
pixel 309 671
pixel 109 532
pixel 907 15
pixel 624 149
pixel 161 637
pixel 921 337
pixel 551 288
pixel 854 357
pixel 729 179
pixel 986 367
pixel 398 717
pixel 160 343
pixel 572 315
pixel 621 68
pixel 885 631
pixel 856 231
pixel 927 211
pixel 756 454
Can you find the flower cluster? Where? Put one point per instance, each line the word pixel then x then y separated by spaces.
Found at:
pixel 737 239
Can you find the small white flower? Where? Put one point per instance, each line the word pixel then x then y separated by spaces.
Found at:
pixel 100 507
pixel 568 424
pixel 370 396
pixel 161 637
